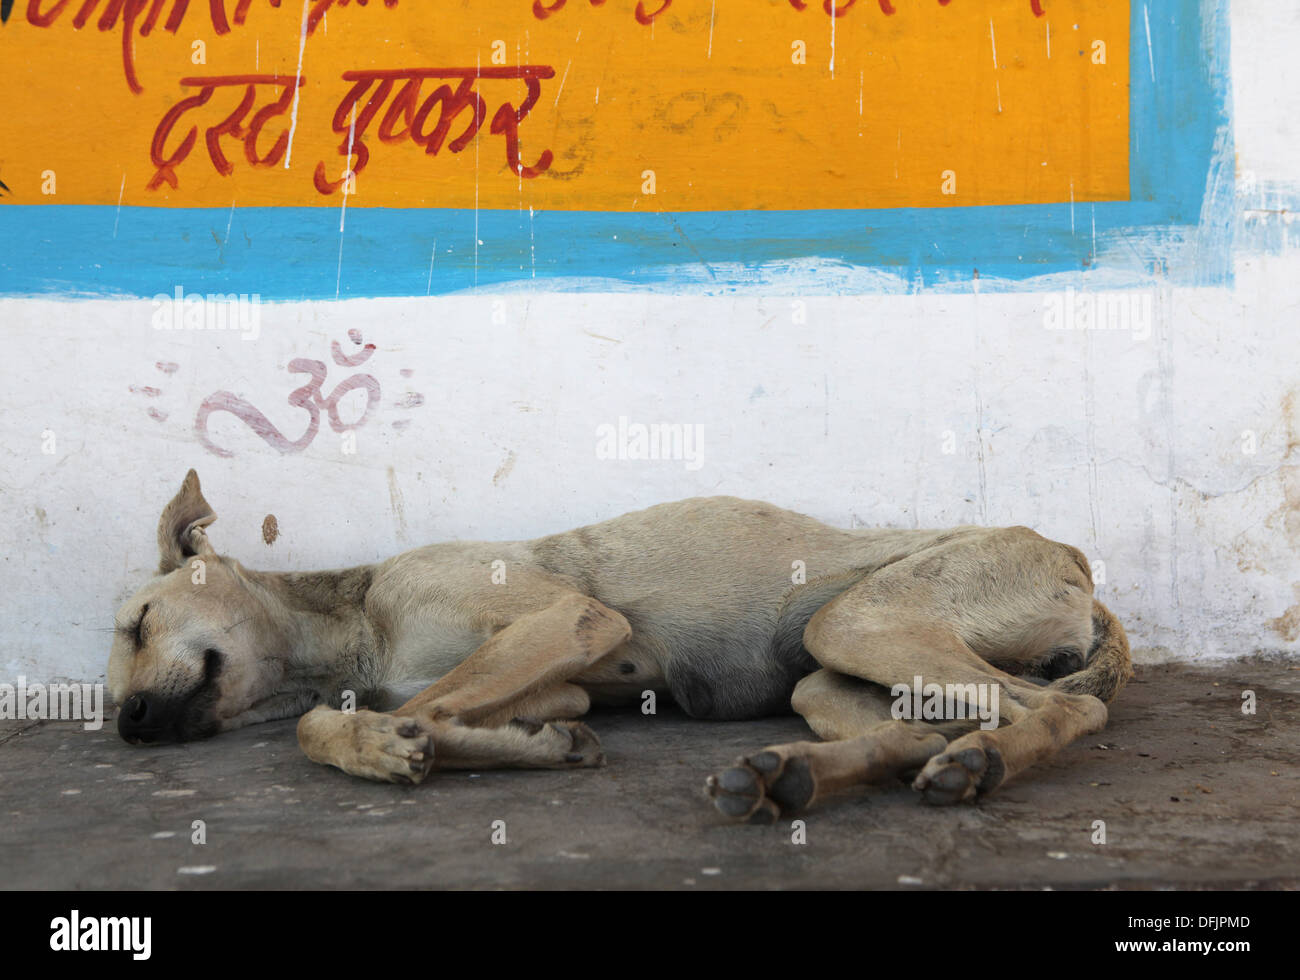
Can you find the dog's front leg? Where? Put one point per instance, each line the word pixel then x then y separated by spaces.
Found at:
pixel 519 672
pixel 534 653
pixel 367 744
pixel 523 743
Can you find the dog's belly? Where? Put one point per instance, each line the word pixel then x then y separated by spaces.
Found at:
pixel 732 683
pixel 742 670
pixel 708 675
pixel 721 658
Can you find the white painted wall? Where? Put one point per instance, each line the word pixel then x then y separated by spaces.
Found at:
pixel 1130 446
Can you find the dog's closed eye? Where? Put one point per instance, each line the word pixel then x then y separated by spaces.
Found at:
pixel 212 662
pixel 139 627
pixel 135 632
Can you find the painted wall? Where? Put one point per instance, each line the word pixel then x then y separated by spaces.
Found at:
pixel 857 388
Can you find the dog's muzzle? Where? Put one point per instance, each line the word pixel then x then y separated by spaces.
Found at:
pixel 148 718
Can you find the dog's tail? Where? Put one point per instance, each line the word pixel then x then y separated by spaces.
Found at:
pixel 1108 665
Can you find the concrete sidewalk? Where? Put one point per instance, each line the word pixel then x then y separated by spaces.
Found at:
pixel 1193 794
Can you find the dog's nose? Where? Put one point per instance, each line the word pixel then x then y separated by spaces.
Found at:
pixel 136 719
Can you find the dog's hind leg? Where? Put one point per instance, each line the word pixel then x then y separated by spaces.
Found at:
pixel 1010 595
pixel 863 745
pixel 945 616
pixel 893 646
pixel 1069 707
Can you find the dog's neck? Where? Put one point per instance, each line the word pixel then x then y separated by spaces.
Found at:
pixel 333 646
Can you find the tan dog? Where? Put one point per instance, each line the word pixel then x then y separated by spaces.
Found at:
pixel 734 608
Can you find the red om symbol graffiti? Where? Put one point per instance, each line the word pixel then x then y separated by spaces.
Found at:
pixel 308 398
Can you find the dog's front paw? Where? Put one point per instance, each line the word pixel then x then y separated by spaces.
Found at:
pixel 385 748
pixel 560 744
pixel 584 745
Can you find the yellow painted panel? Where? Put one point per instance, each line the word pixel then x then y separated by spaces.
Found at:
pixel 723 105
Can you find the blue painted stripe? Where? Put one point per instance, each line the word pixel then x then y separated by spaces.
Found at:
pixel 1180 218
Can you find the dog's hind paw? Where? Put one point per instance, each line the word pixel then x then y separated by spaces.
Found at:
pixel 762 787
pixel 961 774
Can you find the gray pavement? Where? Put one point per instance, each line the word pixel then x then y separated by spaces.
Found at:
pixel 1193 794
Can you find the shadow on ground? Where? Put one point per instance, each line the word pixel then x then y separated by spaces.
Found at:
pixel 1193 793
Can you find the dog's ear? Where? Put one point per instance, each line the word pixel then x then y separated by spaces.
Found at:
pixel 181 532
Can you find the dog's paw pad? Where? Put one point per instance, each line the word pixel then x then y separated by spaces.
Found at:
pixel 795 787
pixel 766 814
pixel 762 787
pixel 737 792
pixel 740 779
pixel 961 775
pixel 995 770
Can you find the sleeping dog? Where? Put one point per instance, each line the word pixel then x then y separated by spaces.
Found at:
pixel 733 608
